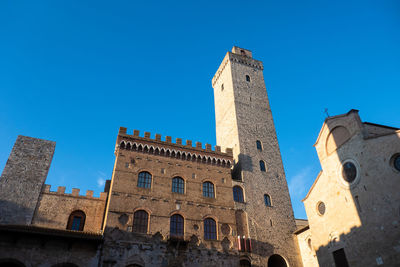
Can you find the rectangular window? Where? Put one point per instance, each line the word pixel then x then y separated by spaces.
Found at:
pixel 340 258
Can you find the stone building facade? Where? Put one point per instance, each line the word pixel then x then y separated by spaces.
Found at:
pixel 353 205
pixel 167 203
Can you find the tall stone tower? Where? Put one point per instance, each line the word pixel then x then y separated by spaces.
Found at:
pixel 22 179
pixel 244 122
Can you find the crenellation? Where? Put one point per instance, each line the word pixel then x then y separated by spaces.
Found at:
pixel 122 130
pixel 61 190
pixel 75 191
pixel 168 141
pixel 199 145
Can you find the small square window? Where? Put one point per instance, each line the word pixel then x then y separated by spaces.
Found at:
pixel 162 170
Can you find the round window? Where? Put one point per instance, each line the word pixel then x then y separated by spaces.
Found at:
pixel 321 208
pixel 396 163
pixel 349 172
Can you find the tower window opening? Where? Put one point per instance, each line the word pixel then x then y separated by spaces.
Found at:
pixel 259 145
pixel 267 200
pixel 247 78
pixel 144 180
pixel 238 194
pixel 222 87
pixel 262 166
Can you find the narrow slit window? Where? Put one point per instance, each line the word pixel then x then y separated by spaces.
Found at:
pixel 262 166
pixel 267 200
pixel 259 145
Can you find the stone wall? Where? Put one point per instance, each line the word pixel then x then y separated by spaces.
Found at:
pixel 22 179
pixel 54 208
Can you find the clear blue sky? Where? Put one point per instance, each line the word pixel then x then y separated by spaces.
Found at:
pixel 75 71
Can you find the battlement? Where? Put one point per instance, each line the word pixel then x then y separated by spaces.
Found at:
pixel 238 55
pixel 178 149
pixel 75 193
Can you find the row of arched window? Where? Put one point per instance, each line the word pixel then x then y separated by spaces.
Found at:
pixel 238 196
pixel 174 154
pixel 178 184
pixel 177 225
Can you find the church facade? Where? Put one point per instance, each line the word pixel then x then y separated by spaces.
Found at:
pixel 353 206
pixel 169 203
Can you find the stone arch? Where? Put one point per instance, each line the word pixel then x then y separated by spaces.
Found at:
pixel 128 146
pixel 135 261
pixel 277 261
pixel 122 145
pixel 337 137
pixel 244 262
pixel 134 146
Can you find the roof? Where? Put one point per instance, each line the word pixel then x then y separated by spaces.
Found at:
pixel 312 187
pixel 31 229
pixel 330 118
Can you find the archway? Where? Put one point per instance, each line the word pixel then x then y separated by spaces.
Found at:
pixel 276 261
pixel 245 263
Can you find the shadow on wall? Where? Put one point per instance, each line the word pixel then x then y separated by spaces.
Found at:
pixel 126 248
pixel 361 207
pixel 10 213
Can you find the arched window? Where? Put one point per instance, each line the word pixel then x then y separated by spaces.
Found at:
pixel 262 166
pixel 259 145
pixel 267 200
pixel 140 221
pixel 210 229
pixel 144 180
pixel 247 78
pixel 238 194
pixel 178 185
pixel 208 189
pixel 176 225
pixel 76 221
